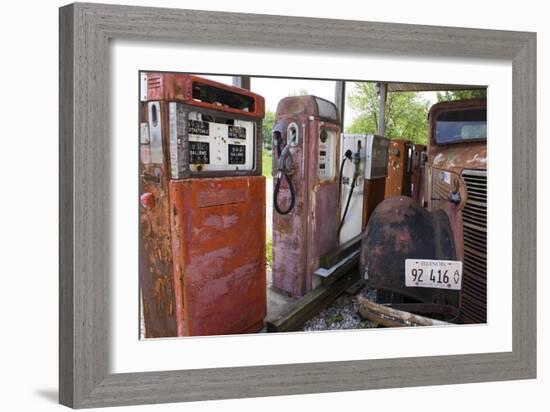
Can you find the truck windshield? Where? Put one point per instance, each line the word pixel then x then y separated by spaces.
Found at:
pixel 458 126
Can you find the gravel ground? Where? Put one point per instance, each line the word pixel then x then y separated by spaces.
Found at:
pixel 340 314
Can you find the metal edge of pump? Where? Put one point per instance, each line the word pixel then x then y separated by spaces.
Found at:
pixel 401 229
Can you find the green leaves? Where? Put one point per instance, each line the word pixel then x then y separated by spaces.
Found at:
pixel 461 95
pixel 406 113
pixel 269 120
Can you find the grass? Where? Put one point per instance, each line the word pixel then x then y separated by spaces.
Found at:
pixel 266 163
pixel 335 318
pixel 269 248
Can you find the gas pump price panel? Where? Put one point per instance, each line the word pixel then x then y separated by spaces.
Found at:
pixel 202 242
pixel 217 146
pixel 327 147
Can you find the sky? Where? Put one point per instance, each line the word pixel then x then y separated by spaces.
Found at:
pixel 273 90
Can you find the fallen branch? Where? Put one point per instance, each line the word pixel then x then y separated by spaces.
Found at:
pixel 386 316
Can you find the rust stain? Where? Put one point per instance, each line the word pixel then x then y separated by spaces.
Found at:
pixel 155 261
pixel 459 156
pixel 401 229
pixel 224 276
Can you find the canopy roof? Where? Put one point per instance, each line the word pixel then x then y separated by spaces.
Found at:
pixel 429 87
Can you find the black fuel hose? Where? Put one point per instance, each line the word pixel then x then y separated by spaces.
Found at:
pixel 347 156
pixel 340 177
pixel 347 204
pixel 282 174
pixel 276 195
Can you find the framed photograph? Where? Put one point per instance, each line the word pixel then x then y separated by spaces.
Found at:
pixel 257 205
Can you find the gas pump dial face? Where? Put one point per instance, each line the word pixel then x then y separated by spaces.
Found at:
pixel 327 140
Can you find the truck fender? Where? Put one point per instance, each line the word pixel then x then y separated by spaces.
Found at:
pixel 400 229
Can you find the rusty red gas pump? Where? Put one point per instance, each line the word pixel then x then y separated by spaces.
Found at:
pixel 305 221
pixel 202 238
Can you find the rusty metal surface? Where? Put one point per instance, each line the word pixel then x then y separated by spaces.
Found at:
pixel 202 240
pixel 155 258
pixel 474 223
pixel 298 106
pixel 310 229
pixel 398 178
pixel 401 229
pixel 178 87
pixel 447 165
pixel 458 156
pixel 219 250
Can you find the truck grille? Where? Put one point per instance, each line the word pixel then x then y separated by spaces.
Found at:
pixel 474 220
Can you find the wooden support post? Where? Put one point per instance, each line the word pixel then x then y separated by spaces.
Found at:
pixel 340 99
pixel 242 82
pixel 383 94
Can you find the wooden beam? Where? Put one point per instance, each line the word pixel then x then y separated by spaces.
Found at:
pixel 383 94
pixel 386 316
pixel 311 304
pixel 345 249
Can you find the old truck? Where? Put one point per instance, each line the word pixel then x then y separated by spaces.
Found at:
pixel 445 226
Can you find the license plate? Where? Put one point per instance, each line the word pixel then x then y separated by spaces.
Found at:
pixel 440 274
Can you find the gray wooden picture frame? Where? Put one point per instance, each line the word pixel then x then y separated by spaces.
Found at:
pixel 85 32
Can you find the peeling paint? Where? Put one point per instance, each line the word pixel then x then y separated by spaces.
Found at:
pixel 310 229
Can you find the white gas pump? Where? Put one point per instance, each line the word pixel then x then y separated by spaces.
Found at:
pixel 365 160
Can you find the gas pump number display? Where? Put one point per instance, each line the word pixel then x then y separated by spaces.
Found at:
pixel 219 146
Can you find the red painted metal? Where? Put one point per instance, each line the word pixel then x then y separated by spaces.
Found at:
pixel 147 200
pixel 310 229
pixel 177 87
pixel 218 226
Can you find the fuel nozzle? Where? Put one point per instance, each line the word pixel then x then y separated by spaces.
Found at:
pixel 357 158
pixel 357 154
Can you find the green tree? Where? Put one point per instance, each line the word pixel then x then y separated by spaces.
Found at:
pixel 269 120
pixel 461 95
pixel 406 113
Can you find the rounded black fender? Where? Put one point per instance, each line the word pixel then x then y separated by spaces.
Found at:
pixel 399 229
